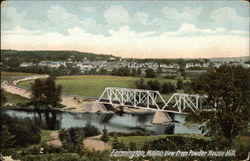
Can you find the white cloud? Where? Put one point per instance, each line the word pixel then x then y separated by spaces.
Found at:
pixel 229 17
pixel 141 18
pixel 88 10
pixel 19 30
pixel 187 13
pixel 116 15
pixel 128 43
pixel 189 28
pixel 59 15
pixel 224 14
pixel 239 32
pixel 11 18
pixel 63 19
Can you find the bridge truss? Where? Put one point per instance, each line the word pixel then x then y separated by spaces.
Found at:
pixel 152 100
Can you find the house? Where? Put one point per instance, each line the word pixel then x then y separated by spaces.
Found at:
pixel 27 64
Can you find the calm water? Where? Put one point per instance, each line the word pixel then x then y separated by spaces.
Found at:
pixel 113 122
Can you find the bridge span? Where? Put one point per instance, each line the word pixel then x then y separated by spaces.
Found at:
pixel 151 100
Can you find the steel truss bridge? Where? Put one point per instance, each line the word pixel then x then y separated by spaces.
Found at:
pixel 151 100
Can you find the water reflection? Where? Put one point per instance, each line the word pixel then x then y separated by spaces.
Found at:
pixel 113 122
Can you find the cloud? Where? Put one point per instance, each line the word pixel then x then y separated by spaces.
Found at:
pixel 116 15
pixel 61 18
pixel 128 43
pixel 11 18
pixel 224 14
pixel 187 28
pixel 88 10
pixel 141 18
pixel 228 17
pixel 59 15
pixel 187 13
pixel 19 30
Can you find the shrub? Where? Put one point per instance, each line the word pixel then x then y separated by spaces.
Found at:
pixel 150 73
pixel 170 76
pixel 24 131
pixel 168 88
pixel 90 130
pixel 140 84
pixel 180 143
pixel 154 85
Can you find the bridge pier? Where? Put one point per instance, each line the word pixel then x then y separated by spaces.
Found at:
pixel 161 117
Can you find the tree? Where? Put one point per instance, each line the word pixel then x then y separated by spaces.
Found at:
pixel 140 84
pixel 227 91
pixel 150 73
pixel 167 87
pixel 132 146
pixel 138 71
pixel 45 93
pixel 154 85
pixel 105 137
pixel 134 72
pixel 179 84
pixel 118 145
pixel 6 139
pixel 146 146
pixel 3 98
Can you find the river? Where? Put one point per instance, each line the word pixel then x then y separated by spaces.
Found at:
pixel 114 122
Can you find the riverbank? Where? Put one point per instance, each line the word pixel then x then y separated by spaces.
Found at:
pixel 70 103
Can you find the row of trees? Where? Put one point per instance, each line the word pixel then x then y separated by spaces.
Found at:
pixel 165 88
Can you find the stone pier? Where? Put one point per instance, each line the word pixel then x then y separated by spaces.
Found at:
pixel 161 117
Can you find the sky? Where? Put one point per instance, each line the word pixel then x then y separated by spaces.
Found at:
pixel 131 29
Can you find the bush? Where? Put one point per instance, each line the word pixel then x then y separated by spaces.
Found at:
pixel 150 73
pixel 137 133
pixel 154 85
pixel 53 157
pixel 51 149
pixel 170 76
pixel 24 131
pixel 181 143
pixel 179 84
pixel 168 88
pixel 90 130
pixel 140 84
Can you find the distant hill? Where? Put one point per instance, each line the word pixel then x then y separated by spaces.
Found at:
pixel 37 56
pixel 230 59
pixel 42 55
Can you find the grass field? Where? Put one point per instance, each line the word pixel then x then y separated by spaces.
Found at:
pixel 94 85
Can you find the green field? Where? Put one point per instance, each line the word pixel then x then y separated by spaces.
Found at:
pixel 88 85
pixel 94 85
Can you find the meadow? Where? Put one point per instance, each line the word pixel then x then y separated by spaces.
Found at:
pixel 94 85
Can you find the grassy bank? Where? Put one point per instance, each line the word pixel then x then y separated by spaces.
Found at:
pixel 9 75
pixel 140 140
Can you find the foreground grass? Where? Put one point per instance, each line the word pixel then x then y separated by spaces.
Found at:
pixel 94 85
pixel 140 140
pixel 45 136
